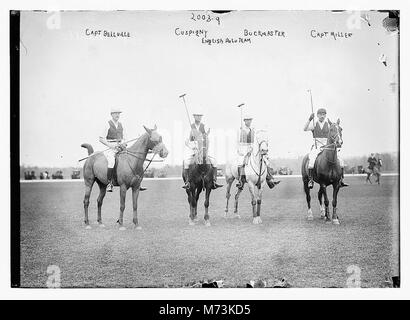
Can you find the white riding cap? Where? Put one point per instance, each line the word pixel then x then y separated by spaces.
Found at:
pixel 115 110
pixel 197 112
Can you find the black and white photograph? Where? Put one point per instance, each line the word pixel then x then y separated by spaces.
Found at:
pixel 208 148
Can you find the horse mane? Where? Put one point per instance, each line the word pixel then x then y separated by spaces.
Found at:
pixel 139 140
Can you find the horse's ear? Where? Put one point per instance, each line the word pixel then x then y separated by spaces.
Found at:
pixel 330 122
pixel 338 121
pixel 148 130
pixel 155 127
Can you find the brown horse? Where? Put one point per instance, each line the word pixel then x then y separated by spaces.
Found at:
pixel 200 177
pixel 327 171
pixel 129 171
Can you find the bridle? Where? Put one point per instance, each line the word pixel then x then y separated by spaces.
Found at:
pixel 136 155
pixel 332 146
pixel 260 173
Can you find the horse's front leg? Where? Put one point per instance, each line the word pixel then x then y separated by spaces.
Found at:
pixel 308 198
pixel 228 194
pixel 235 210
pixel 327 213
pixel 197 193
pixel 135 194
pixel 368 178
pixel 123 193
pixel 191 200
pixel 253 202
pixel 335 218
pixel 322 207
pixel 259 204
pixel 206 204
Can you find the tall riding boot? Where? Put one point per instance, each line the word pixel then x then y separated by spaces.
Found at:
pixel 109 178
pixel 242 178
pixel 186 186
pixel 342 183
pixel 215 185
pixel 269 180
pixel 310 175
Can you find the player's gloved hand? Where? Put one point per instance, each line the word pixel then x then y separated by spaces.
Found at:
pixel 311 117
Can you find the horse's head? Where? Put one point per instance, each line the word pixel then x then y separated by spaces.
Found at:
pixel 335 134
pixel 155 142
pixel 261 142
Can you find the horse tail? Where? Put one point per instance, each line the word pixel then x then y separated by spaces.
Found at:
pixel 88 147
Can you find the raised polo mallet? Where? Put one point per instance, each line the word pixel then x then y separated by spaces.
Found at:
pixel 240 106
pixel 311 104
pixel 186 108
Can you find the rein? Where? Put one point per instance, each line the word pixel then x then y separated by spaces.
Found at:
pixel 331 147
pixel 136 155
pixel 260 174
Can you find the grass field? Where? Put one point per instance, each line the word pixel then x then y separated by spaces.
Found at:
pixel 167 252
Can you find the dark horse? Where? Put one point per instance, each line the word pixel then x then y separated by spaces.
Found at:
pixel 327 171
pixel 129 171
pixel 200 177
pixel 374 171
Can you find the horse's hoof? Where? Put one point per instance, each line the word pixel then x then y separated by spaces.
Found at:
pixel 322 217
pixel 328 221
pixel 88 227
pixel 335 221
pixel 138 228
pixel 255 221
pixel 191 223
pixel 309 214
pixel 207 223
pixel 259 220
pixel 238 216
pixel 122 228
pixel 101 225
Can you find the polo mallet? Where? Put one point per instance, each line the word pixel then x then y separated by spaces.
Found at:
pixel 240 106
pixel 102 151
pixel 186 108
pixel 311 104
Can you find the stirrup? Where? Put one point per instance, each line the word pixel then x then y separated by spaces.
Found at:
pixel 310 184
pixel 186 186
pixel 109 187
pixel 272 183
pixel 142 188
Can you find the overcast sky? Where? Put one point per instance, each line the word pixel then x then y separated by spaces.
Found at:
pixel 70 79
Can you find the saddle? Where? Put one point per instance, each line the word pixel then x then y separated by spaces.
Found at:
pixel 199 160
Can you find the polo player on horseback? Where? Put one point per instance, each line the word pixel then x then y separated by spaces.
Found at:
pixel 320 132
pixel 245 142
pixel 372 160
pixel 113 136
pixel 198 137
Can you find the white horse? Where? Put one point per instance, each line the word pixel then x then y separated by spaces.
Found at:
pixel 255 171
